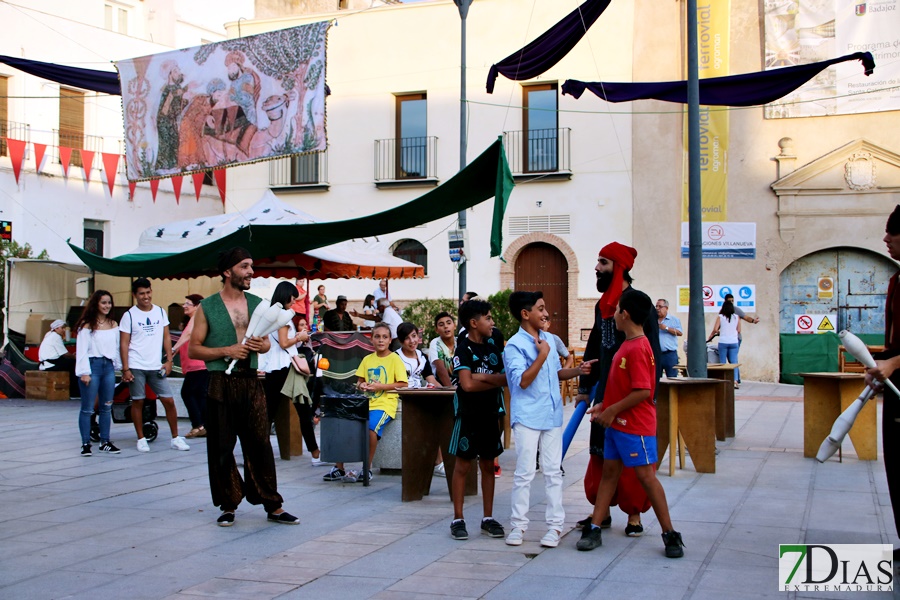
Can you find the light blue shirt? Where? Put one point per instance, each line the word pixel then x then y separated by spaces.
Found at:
pixel 539 406
pixel 669 341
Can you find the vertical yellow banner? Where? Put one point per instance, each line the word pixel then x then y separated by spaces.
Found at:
pixel 713 31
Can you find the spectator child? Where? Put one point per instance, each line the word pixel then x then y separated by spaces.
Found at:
pixel 440 351
pixel 629 415
pixel 533 372
pixel 564 354
pixel 379 375
pixel 478 405
pixel 418 369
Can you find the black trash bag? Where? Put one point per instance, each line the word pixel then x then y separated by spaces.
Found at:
pixel 353 407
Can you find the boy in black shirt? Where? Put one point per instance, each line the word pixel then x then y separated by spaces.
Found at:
pixel 478 362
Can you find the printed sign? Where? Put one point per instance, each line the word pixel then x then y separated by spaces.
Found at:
pixel 714 295
pixel 6 231
pixel 835 568
pixel 815 323
pixel 723 240
pixel 826 288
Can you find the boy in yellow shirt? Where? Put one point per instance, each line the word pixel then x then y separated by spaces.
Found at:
pixel 379 375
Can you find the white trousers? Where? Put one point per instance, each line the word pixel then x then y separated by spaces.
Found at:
pixel 551 457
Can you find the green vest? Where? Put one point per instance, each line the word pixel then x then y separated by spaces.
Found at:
pixel 221 331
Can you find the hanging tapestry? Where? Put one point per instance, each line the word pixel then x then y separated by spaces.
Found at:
pixel 233 102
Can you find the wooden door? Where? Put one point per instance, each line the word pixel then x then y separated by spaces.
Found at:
pixel 542 267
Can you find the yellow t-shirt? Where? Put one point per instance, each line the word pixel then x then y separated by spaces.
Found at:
pixel 388 369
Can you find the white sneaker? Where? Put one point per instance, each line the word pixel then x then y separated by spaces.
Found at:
pixel 317 462
pixel 178 443
pixel 440 471
pixel 515 537
pixel 550 539
pixel 142 445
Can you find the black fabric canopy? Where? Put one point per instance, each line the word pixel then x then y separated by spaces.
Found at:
pixel 547 50
pixel 106 82
pixel 749 89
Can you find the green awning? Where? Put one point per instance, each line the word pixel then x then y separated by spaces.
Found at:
pixel 485 177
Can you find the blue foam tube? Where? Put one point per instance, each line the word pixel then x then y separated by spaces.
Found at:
pixel 572 427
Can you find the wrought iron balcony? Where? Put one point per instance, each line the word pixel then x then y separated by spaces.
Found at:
pixel 77 141
pixel 307 171
pixel 539 151
pixel 406 160
pixel 16 131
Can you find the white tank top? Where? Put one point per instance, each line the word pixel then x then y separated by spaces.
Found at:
pixel 728 333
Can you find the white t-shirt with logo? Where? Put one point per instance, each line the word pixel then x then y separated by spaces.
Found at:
pixel 417 369
pixel 146 328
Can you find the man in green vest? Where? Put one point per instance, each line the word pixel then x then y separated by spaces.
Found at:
pixel 236 403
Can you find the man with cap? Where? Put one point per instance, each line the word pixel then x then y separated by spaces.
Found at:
pixel 338 319
pixel 613 270
pixel 236 403
pixel 887 366
pixel 54 356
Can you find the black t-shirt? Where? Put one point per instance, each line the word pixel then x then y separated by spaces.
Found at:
pixel 479 358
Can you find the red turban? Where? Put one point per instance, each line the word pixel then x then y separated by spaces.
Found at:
pixel 622 257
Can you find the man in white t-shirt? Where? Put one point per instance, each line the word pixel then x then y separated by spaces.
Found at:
pixel 382 292
pixel 144 337
pixel 389 316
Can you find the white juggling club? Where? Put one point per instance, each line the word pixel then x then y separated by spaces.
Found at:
pixel 843 423
pixel 858 349
pixel 263 317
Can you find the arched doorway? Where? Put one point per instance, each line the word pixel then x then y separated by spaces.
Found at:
pixel 860 287
pixel 541 266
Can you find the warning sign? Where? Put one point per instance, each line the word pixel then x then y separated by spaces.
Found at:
pixel 815 323
pixel 826 288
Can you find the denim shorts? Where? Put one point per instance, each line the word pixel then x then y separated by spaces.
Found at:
pixel 633 450
pixel 138 387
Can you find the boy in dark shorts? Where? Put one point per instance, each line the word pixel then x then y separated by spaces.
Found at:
pixel 629 415
pixel 478 404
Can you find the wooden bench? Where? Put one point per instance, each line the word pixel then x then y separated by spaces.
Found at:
pixel 47 385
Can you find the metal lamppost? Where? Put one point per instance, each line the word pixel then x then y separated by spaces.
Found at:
pixel 463 6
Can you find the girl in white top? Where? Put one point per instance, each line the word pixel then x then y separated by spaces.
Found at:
pixel 96 360
pixel 418 370
pixel 728 328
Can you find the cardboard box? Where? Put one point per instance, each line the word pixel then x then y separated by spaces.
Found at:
pixel 33 329
pixel 46 385
pixel 45 328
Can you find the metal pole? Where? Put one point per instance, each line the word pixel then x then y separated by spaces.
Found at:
pixel 696 354
pixel 463 6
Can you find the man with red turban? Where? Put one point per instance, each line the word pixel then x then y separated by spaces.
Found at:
pixel 613 270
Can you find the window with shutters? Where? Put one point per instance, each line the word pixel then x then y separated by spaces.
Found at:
pixel 540 125
pixel 413 251
pixel 71 122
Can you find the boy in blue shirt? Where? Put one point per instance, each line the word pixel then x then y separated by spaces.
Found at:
pixel 533 372
pixel 478 404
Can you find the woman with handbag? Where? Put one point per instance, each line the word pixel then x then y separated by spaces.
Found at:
pixel 278 363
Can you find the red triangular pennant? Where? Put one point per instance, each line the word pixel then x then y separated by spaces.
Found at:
pixel 198 183
pixel 87 162
pixel 39 150
pixel 16 155
pixel 177 180
pixel 154 185
pixel 65 155
pixel 131 186
pixel 110 165
pixel 219 174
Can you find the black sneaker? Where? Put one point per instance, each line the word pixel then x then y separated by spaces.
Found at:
pixel 586 522
pixel 672 540
pixel 492 528
pixel 458 530
pixel 634 530
pixel 606 523
pixel 283 518
pixel 86 450
pixel 109 448
pixel 226 519
pixel 334 475
pixel 590 538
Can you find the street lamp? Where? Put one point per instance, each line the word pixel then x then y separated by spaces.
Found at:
pixel 463 6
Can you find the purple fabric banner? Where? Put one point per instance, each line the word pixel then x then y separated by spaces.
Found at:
pixel 106 82
pixel 748 89
pixel 550 47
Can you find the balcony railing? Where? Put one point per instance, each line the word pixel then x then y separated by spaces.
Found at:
pixel 77 141
pixel 401 159
pixel 538 151
pixel 16 131
pixel 298 171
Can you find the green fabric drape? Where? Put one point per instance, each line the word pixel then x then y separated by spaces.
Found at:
pixel 485 177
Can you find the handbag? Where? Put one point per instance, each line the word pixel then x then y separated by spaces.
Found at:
pixel 300 364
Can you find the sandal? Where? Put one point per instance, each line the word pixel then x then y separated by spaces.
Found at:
pixel 196 432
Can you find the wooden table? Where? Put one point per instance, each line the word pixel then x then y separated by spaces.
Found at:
pixel 724 396
pixel 687 406
pixel 825 396
pixel 427 425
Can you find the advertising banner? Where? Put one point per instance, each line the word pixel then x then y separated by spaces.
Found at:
pixel 723 240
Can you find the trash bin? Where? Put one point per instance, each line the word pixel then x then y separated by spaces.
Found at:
pixel 345 430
